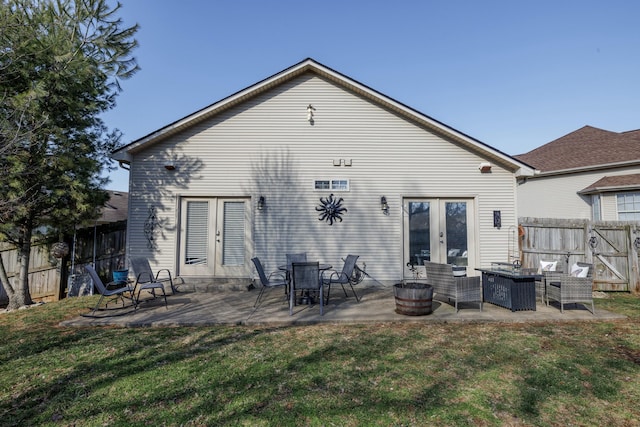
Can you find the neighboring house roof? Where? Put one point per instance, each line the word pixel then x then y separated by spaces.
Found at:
pixel 115 209
pixel 614 183
pixel 125 154
pixel 585 148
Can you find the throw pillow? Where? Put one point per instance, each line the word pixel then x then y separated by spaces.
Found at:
pixel 548 266
pixel 577 271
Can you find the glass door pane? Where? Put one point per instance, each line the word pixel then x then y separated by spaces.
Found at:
pixel 437 230
pixel 197 236
pixel 456 233
pixel 197 233
pixel 233 234
pixel 419 232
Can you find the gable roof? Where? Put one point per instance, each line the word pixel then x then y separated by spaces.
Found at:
pixel 124 154
pixel 614 183
pixel 586 148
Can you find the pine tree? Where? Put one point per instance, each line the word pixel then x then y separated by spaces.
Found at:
pixel 61 62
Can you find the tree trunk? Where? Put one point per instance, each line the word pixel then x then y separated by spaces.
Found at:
pixel 19 295
pixel 4 278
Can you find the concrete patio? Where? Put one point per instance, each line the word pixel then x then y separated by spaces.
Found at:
pixel 235 307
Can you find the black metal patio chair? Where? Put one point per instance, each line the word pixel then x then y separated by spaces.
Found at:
pixel 275 279
pixel 345 277
pixel 305 278
pixel 117 293
pixel 143 272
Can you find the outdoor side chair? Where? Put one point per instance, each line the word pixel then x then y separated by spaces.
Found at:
pixel 344 277
pixel 274 280
pixel 119 293
pixel 299 257
pixel 567 289
pixel 291 258
pixel 305 277
pixel 445 284
pixel 143 273
pixel 545 276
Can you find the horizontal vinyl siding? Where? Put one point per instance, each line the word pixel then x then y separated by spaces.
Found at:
pixel 267 147
pixel 557 196
pixel 609 205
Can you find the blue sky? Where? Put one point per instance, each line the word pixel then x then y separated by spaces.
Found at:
pixel 512 74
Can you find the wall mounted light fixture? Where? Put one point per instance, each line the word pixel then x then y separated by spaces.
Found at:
pixel 485 167
pixel 310 111
pixel 261 203
pixel 384 206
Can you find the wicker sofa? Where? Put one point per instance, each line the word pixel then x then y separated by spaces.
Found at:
pixel 458 289
pixel 567 289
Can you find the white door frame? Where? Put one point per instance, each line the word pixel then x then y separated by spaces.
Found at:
pixel 438 234
pixel 212 261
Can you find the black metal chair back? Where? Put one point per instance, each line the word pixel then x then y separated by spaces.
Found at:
pixel 305 276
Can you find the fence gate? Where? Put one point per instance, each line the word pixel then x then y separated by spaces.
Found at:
pixel 611 246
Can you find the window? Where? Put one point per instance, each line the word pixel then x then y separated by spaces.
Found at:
pixel 322 185
pixel 629 206
pixel 332 184
pixel 596 212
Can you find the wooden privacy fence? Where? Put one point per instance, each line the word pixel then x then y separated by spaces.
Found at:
pixel 49 276
pixel 611 246
pixel 44 272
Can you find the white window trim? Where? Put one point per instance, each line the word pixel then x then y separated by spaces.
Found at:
pixel 331 185
pixel 632 211
pixel 596 207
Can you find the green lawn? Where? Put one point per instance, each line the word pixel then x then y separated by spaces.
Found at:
pixel 581 374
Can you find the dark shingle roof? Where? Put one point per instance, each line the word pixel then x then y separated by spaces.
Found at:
pixel 585 147
pixel 617 182
pixel 116 208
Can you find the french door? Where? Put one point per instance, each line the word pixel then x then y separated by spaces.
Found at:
pixel 438 230
pixel 214 237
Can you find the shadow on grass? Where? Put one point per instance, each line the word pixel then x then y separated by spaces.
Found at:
pixel 386 374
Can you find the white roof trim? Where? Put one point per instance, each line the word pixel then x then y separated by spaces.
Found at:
pixel 603 166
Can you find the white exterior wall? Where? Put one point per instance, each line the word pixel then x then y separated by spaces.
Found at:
pixel 557 196
pixel 267 147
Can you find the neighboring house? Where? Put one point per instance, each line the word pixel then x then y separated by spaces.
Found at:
pixel 590 173
pixel 101 242
pixel 116 209
pixel 261 172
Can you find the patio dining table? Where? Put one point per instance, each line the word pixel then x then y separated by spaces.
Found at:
pixel 322 267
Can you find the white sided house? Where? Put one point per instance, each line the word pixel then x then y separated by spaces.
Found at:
pixel 590 173
pixel 309 160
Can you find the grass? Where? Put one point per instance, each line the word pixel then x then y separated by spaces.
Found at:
pixel 388 374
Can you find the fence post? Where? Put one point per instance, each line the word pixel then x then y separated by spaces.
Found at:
pixel 634 247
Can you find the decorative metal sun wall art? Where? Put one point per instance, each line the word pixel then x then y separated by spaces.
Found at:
pixel 330 209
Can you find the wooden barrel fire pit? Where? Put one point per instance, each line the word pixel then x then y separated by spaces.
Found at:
pixel 413 299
